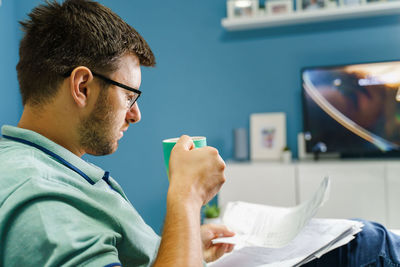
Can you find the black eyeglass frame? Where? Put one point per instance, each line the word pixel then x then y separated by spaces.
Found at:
pixel 108 80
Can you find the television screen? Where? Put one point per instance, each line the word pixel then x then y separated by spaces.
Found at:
pixel 353 110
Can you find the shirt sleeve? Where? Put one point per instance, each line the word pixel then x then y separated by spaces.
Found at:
pixel 50 232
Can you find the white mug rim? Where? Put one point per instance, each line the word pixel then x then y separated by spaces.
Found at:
pixel 174 140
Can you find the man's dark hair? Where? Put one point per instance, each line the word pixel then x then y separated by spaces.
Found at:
pixel 59 37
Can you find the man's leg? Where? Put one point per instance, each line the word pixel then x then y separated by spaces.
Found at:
pixel 373 246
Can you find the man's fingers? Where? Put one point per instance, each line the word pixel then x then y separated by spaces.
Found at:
pixel 185 142
pixel 219 251
pixel 220 230
pixel 229 248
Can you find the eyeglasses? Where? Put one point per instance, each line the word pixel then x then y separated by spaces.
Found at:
pixel 130 101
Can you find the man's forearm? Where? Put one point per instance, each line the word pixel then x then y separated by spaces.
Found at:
pixel 181 242
pixel 195 177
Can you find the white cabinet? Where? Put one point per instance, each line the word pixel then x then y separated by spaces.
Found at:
pixel 359 189
pixel 393 196
pixel 269 184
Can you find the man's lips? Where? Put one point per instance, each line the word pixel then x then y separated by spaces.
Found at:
pixel 121 133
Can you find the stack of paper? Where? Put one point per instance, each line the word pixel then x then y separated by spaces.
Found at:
pixel 274 236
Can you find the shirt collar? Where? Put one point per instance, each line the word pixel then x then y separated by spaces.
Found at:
pixel 92 171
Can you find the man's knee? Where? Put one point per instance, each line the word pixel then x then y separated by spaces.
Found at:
pixel 372 237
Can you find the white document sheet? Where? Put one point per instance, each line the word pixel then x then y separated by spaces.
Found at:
pixel 318 237
pixel 267 226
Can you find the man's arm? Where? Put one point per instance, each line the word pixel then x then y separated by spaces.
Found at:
pixel 196 175
pixel 180 243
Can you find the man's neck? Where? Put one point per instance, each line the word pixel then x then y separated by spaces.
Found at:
pixel 52 125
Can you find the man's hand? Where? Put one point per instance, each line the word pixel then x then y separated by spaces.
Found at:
pixel 195 174
pixel 208 232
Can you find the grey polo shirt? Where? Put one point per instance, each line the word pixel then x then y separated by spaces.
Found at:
pixel 50 215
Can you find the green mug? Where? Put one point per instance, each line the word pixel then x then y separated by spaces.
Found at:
pixel 168 144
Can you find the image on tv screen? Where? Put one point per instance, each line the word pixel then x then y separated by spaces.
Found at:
pixel 352 109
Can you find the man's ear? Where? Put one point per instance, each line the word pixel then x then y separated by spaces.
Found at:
pixel 79 81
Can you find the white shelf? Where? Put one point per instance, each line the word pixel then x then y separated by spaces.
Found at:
pixel 303 17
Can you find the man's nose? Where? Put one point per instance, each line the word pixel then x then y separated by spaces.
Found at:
pixel 133 114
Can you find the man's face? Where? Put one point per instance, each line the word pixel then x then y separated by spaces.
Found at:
pixel 100 131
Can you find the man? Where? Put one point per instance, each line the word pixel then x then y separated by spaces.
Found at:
pixel 79 76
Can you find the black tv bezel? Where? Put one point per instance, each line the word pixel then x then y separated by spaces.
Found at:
pixel 305 115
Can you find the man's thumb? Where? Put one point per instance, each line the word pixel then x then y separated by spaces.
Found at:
pixel 185 143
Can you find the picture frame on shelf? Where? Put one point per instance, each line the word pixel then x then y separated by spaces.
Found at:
pixel 278 7
pixel 331 3
pixel 267 135
pixel 352 2
pixel 311 5
pixel 242 8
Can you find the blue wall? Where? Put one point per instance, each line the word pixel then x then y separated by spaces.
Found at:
pixel 208 81
pixel 10 104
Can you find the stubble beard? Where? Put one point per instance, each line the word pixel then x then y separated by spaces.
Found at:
pixel 96 131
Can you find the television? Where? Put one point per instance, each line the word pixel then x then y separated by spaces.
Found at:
pixel 352 110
